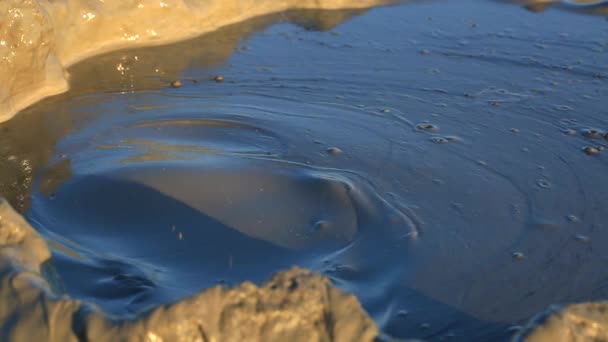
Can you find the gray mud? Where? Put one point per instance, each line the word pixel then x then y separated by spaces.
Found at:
pixel 428 158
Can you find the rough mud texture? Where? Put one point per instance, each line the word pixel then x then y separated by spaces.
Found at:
pixel 29 69
pixel 296 305
pixel 587 322
pixel 39 39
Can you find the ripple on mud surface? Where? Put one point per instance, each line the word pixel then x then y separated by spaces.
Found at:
pixel 160 209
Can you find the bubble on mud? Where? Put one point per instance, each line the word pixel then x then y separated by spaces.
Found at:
pixel 428 127
pixel 590 150
pixel 321 225
pixel 543 183
pixel 334 151
pixel 402 313
pixel 458 207
pixel 439 140
pixel 572 218
pixel 592 133
pixel 518 255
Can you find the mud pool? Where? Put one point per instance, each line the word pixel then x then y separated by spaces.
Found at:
pixel 428 158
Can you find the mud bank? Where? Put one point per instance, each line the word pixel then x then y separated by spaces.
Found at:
pixel 295 305
pixel 595 7
pixel 40 39
pixel 573 323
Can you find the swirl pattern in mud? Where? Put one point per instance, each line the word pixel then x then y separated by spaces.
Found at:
pixel 161 204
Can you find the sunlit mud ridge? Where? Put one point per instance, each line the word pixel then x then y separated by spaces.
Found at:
pixel 294 306
pixel 39 39
pixel 579 322
pixel 596 7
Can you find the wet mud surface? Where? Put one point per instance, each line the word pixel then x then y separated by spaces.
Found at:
pixel 443 161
